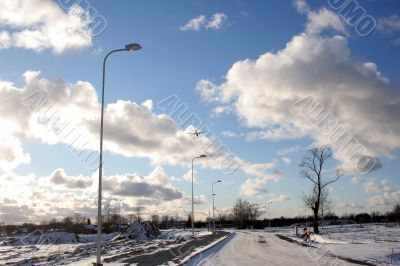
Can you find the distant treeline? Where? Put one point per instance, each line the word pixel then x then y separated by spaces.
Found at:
pixel 243 215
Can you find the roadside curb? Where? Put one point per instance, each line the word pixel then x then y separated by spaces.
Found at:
pixel 190 257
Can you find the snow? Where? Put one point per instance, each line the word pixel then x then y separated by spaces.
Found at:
pixel 320 239
pixel 42 238
pixel 185 234
pixel 252 248
pixel 142 231
pixel 373 243
pixel 87 238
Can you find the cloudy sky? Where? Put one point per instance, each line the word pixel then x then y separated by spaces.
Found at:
pixel 244 72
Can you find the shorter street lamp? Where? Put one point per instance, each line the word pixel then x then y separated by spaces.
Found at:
pixel 269 212
pixel 198 157
pixel 209 207
pixel 212 190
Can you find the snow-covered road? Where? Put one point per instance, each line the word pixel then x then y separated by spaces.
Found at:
pixel 259 248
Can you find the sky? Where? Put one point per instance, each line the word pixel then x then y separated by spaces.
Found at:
pixel 264 80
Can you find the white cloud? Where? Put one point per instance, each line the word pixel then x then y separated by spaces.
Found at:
pixel 197 200
pixel 60 178
pixel 230 134
pixel 201 199
pixel 33 198
pixel 285 152
pixel 195 24
pixel 286 160
pixel 279 198
pixel 276 134
pixel 96 51
pixel 188 176
pixel 263 92
pixel 258 169
pixel 255 186
pixel 389 24
pixel 5 40
pixel 42 24
pixel 355 180
pixel 373 186
pixel 385 194
pixel 148 104
pixel 301 6
pixel 216 22
pixel 324 19
pixel 11 153
pixel 207 89
pixel 319 20
pixel 351 205
pixel 156 186
pixel 51 111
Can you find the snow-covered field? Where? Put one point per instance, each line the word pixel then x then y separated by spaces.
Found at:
pixel 60 248
pixel 375 244
pixel 346 245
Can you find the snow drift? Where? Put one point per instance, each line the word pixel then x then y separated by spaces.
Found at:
pixel 43 238
pixel 319 239
pixel 142 231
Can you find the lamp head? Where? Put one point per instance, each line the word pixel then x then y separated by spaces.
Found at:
pixel 202 156
pixel 133 47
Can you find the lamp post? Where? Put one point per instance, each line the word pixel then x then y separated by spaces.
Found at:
pixel 119 217
pixel 209 215
pixel 212 190
pixel 201 156
pixel 269 213
pixel 130 48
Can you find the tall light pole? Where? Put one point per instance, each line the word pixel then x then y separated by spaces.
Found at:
pixel 209 207
pixel 130 48
pixel 119 217
pixel 201 156
pixel 213 195
pixel 269 213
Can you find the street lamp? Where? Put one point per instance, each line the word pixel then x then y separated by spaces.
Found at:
pixel 209 215
pixel 130 48
pixel 198 157
pixel 212 190
pixel 269 212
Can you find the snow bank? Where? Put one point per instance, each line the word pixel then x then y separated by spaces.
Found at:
pixel 319 239
pixel 177 234
pixel 43 238
pixel 140 231
pixel 84 238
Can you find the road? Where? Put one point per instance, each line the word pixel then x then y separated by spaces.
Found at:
pixel 260 248
pixel 175 254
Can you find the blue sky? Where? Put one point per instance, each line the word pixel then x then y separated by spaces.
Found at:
pixel 239 66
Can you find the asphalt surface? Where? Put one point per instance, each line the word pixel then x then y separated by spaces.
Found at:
pixel 175 254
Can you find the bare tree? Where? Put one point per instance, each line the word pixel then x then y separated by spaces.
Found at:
pixel 243 213
pixel 77 218
pixel 155 219
pixel 325 202
pixel 138 211
pixel 131 218
pixel 312 167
